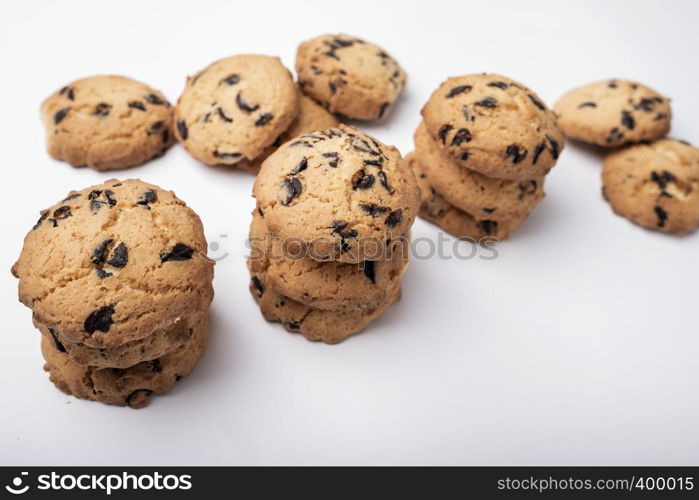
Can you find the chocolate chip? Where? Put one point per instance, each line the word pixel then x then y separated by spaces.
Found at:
pixel 662 215
pixel 223 155
pixel 660 116
pixel 615 135
pixel 67 92
pixel 394 218
pixel 257 285
pixel 137 105
pixel 374 163
pixel 488 226
pixel 303 165
pixel 627 120
pixel 462 135
pixel 179 252
pixel 231 79
pixel 373 209
pixel 182 129
pixel 264 119
pixel 154 99
pixel 149 196
pixel 370 270
pixel 101 320
pixel 443 132
pixel 362 145
pixel 339 227
pixel 120 257
pixel 460 89
pixel 537 151
pixel 42 216
pixel 516 153
pixel 489 210
pixel 260 212
pixel 56 343
pixel 663 179
pixel 488 102
pixel 464 156
pixel 101 273
pixel 152 365
pixel 290 189
pixel 156 127
pixel 62 212
pixel 612 84
pixel 555 148
pixel 138 398
pixel 536 102
pixel 362 180
pixel 100 252
pixel 383 178
pixel 99 197
pixel 587 105
pixel 645 104
pixel 333 87
pixel 500 85
pixel 102 109
pixel 223 115
pixel 242 104
pixel 334 159
pixel 526 188
pixel 60 115
pixel 383 108
pixel 71 197
pixel 316 70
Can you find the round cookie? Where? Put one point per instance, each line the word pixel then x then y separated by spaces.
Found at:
pixel 155 345
pixel 107 122
pixel 236 107
pixel 495 126
pixel 113 263
pixel 655 185
pixel 131 386
pixel 329 285
pixel 349 76
pixel 613 112
pixel 337 194
pixel 315 324
pixel 312 116
pixel 436 209
pixel 474 193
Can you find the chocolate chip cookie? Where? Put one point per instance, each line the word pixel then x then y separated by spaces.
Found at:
pixel 655 185
pixel 113 263
pixel 495 126
pixel 107 122
pixel 349 76
pixel 236 107
pixel 474 193
pixel 611 113
pixel 337 194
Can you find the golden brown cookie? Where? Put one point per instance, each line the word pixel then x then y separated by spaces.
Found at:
pixel 131 386
pixel 611 113
pixel 474 193
pixel 349 76
pixel 655 185
pixel 113 263
pixel 107 122
pixel 236 107
pixel 337 194
pixel 495 126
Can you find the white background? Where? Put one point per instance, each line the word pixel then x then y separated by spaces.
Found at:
pixel 578 345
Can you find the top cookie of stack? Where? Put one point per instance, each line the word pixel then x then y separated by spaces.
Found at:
pixel 482 151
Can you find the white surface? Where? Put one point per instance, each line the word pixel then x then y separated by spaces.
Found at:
pixel 578 345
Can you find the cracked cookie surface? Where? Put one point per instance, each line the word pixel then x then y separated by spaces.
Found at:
pixel 474 193
pixel 349 76
pixel 327 285
pixel 495 126
pixel 612 113
pixel 113 263
pixel 131 386
pixel 655 185
pixel 233 109
pixel 107 122
pixel 337 194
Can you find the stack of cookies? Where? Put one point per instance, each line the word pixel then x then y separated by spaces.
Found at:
pixel 330 233
pixel 481 153
pixel 238 110
pixel 652 180
pixel 119 286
